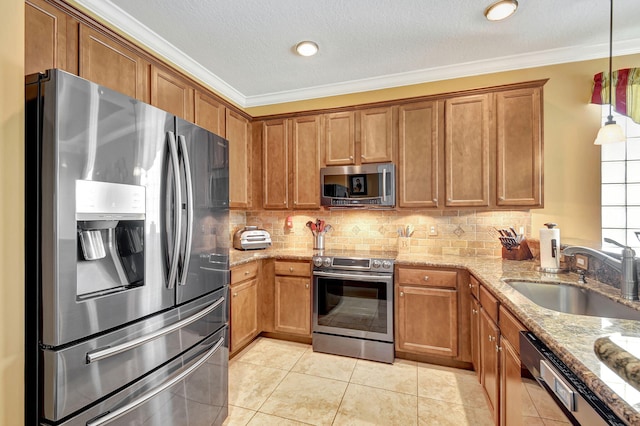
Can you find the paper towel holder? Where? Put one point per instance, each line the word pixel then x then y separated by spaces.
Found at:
pixel 555 253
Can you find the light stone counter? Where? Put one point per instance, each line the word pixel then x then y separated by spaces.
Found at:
pixel 571 337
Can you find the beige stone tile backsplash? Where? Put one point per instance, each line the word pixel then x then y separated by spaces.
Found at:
pixel 460 232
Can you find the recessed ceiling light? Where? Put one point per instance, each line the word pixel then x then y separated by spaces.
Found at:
pixel 307 48
pixel 501 10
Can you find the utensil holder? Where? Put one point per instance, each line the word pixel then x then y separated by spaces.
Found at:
pixel 404 245
pixel 318 242
pixel 521 252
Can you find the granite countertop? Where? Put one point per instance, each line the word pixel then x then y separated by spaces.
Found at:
pixel 571 337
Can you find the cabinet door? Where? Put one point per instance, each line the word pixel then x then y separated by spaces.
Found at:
pixel 339 139
pixel 418 155
pixel 293 305
pixel 489 338
pixel 244 313
pixel 475 337
pixel 519 145
pixel 238 133
pixel 275 165
pixel 111 64
pixel 510 385
pixel 419 307
pixel 305 144
pixel 171 93
pixel 210 114
pixel 376 135
pixel 46 41
pixel 467 133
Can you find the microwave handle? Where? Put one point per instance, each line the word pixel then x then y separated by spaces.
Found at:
pixel 384 184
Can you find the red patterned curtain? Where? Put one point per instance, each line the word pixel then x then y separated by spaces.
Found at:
pixel 625 98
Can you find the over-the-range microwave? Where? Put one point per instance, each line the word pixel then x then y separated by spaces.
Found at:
pixel 370 185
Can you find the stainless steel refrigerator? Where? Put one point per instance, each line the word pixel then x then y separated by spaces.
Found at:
pixel 127 269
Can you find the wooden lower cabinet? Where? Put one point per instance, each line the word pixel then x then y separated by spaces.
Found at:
pixel 292 298
pixel 420 306
pixel 292 305
pixel 490 379
pixel 510 385
pixel 244 313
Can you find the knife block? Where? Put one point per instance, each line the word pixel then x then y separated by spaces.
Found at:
pixel 521 252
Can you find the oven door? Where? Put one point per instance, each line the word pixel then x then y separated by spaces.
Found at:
pixel 353 304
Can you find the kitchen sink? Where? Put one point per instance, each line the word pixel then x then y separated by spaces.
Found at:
pixel 573 300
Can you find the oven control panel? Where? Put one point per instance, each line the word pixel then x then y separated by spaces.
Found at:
pixel 353 263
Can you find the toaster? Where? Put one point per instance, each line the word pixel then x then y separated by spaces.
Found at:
pixel 251 238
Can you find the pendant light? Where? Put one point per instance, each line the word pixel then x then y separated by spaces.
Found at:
pixel 610 132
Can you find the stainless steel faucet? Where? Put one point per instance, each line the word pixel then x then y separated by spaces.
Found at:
pixel 625 266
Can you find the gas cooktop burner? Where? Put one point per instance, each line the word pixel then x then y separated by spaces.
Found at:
pixel 355 261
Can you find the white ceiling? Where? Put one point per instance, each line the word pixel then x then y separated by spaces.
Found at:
pixel 244 48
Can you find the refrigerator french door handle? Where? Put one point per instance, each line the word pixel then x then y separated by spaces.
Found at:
pixel 182 280
pixel 107 352
pixel 113 415
pixel 177 210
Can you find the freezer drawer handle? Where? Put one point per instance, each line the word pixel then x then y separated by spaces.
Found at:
pixel 107 352
pixel 144 398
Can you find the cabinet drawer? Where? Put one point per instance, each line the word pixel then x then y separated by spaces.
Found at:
pixel 510 328
pixel 427 277
pixel 489 304
pixel 298 269
pixel 244 272
pixel 474 285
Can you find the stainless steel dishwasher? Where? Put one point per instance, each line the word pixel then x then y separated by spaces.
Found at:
pixel 580 405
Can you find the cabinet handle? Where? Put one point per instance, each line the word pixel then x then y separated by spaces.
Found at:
pixel 426 277
pixel 291 269
pixel 401 293
pixel 235 294
pixel 306 286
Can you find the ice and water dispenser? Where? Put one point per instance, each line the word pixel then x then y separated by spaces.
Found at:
pixel 110 221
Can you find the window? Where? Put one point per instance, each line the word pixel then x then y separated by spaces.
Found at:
pixel 620 180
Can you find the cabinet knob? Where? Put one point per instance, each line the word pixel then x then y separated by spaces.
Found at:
pixel 474 311
pixel 401 293
pixel 470 285
pixel 351 157
pixel 291 269
pixel 235 294
pixel 426 277
pixel 306 286
pixel 501 198
pixel 285 202
pixel 498 348
pixel 490 338
pixel 435 200
pixel 246 272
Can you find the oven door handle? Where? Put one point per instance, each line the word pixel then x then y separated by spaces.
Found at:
pixel 100 354
pixel 352 277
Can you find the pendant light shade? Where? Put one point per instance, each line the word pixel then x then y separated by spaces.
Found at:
pixel 610 132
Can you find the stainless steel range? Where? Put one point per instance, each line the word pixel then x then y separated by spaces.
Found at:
pixel 353 305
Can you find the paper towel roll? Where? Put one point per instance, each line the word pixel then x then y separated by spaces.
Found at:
pixel 549 248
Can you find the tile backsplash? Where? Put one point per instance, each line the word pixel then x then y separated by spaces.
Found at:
pixel 459 232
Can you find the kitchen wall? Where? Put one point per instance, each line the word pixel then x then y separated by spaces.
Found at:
pixel 11 213
pixel 571 161
pixel 460 232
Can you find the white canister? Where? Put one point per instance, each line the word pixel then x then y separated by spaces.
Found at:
pixel 549 247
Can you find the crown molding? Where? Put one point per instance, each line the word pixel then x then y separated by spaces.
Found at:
pixel 127 24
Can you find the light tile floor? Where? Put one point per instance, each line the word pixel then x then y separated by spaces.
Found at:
pixel 274 382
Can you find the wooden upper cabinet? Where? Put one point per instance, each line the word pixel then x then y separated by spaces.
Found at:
pixel 467 151
pixel 238 133
pixel 376 135
pixel 418 154
pixel 275 164
pixel 339 138
pixel 519 147
pixel 50 38
pixel 111 64
pixel 171 93
pixel 210 114
pixel 305 144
